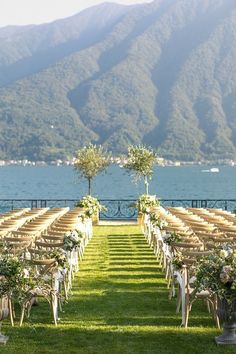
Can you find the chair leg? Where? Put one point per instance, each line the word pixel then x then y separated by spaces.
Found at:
pixel 215 312
pixel 54 303
pixel 179 301
pixel 186 316
pixel 188 307
pixel 208 306
pixel 65 289
pixel 161 260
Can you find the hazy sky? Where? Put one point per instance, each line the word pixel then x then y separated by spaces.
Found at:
pixel 18 12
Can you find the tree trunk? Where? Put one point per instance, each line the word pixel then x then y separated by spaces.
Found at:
pixel 89 186
pixel 146 185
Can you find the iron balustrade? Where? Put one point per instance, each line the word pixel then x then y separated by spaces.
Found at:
pixel 125 209
pixel 117 208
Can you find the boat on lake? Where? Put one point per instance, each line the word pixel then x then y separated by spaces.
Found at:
pixel 212 170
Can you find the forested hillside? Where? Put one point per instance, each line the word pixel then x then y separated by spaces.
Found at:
pixel 162 74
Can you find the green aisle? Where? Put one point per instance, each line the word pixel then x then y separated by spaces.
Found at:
pixel 119 305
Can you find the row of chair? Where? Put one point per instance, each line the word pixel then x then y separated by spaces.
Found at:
pixel 200 230
pixel 42 235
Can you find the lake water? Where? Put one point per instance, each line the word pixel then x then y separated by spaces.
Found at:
pixel 52 182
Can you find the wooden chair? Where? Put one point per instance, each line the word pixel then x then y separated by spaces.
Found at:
pixel 187 294
pixel 48 288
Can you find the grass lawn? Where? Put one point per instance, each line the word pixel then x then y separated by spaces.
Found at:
pixel 119 305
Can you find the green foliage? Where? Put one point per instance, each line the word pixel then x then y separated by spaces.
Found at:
pixel 177 261
pixel 90 161
pixel 72 240
pixel 61 258
pixel 140 160
pixel 116 76
pixel 171 238
pixel 15 277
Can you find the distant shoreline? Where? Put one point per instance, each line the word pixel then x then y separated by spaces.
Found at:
pixel 116 161
pixel 68 163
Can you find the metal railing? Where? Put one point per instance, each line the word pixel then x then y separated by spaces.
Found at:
pixel 10 204
pixel 226 204
pixel 117 208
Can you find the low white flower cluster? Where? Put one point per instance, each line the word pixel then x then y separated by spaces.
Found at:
pixel 91 205
pixel 157 221
pixel 146 202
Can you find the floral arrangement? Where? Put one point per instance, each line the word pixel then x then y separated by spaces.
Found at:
pixel 169 239
pixel 157 221
pixel 16 277
pixel 217 273
pixel 177 261
pixel 60 257
pixel 72 240
pixel 91 205
pixel 146 202
pixel 82 218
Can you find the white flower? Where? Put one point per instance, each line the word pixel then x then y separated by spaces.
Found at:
pixel 25 273
pixel 224 277
pixel 223 254
pixel 227 269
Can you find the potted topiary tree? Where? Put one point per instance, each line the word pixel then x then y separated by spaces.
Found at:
pixel 90 161
pixel 140 160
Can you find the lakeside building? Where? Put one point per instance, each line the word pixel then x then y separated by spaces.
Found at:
pixel 118 160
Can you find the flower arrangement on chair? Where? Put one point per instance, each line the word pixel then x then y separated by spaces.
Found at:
pixel 73 245
pixel 16 279
pixel 45 283
pixel 72 240
pixel 171 238
pixel 12 273
pixel 157 221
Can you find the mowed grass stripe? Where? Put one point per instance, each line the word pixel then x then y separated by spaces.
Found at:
pixel 119 305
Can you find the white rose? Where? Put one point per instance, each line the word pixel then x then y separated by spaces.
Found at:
pixel 223 254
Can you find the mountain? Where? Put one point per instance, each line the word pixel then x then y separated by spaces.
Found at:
pixel 161 74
